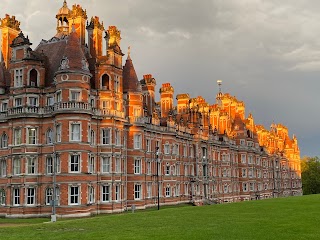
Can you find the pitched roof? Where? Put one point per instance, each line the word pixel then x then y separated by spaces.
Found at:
pixel 130 80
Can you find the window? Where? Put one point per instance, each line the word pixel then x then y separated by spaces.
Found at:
pixel 33 78
pixel 50 101
pixel 250 173
pixel 58 133
pixel 18 77
pixel 3 168
pixel 137 166
pixel 106 162
pixel 137 191
pixel 148 167
pixel 258 161
pixel 92 137
pixel 149 190
pixel 167 148
pixel 59 96
pixel 2 197
pixel 31 165
pixel 105 193
pixel 186 170
pixel 245 187
pixel 116 84
pixel 49 196
pixel 4 140
pixel 250 159
pixel 75 96
pixel 75 132
pixel 49 136
pixel 244 172
pixel 168 191
pixel 31 196
pixel 49 165
pixel 137 141
pixel 16 166
pixel 116 105
pixel 117 193
pixel 117 137
pixel 90 194
pixel 74 195
pixel 105 104
pixel 167 169
pixel 105 82
pixel 148 145
pixel 4 107
pixel 185 151
pixel 91 164
pixel 251 186
pixel 106 136
pixel 16 196
pixel 32 135
pixel 75 163
pixel 118 165
pixel 243 158
pixel 225 188
pixel 191 152
pixel 136 112
pixel 33 102
pixel 17 136
pixel 18 102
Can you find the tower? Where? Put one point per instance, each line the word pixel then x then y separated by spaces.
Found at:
pixel 10 29
pixel 95 30
pixel 62 20
pixel 77 19
pixel 148 84
pixel 166 95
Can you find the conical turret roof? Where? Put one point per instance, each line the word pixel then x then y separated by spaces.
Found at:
pixel 130 80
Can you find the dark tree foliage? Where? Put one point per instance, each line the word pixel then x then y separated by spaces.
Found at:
pixel 310 173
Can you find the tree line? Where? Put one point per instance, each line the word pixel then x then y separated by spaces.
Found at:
pixel 310 174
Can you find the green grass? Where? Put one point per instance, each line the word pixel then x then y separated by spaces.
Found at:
pixel 284 218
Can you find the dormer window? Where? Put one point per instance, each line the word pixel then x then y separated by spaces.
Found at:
pixel 18 77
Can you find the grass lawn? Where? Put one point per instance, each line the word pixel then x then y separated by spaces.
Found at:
pixel 283 218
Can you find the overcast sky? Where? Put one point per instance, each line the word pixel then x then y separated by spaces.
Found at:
pixel 267 52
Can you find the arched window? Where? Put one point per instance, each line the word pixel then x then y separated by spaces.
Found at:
pixel 33 77
pixel 4 140
pixel 105 82
pixel 2 197
pixel 49 136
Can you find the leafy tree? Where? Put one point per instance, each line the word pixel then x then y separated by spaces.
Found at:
pixel 310 173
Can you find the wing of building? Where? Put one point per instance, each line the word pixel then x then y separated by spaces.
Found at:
pixel 81 134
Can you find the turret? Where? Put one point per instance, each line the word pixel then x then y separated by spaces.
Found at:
pixel 77 19
pixel 148 84
pixel 166 95
pixel 114 52
pixel 62 20
pixel 10 28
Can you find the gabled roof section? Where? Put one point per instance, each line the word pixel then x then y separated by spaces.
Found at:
pixel 130 80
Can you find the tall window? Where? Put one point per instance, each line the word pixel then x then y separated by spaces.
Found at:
pixel 149 190
pixel 168 191
pixel 116 84
pixel 31 196
pixel 137 141
pixel 59 96
pixel 4 140
pixel 243 158
pixel 106 136
pixel 33 78
pixel 18 77
pixel 137 166
pixel 32 135
pixel 58 133
pixel 149 167
pixel 105 82
pixel 91 164
pixel 3 168
pixel 50 101
pixel 92 137
pixel 16 166
pixel 18 102
pixel 117 193
pixel 106 162
pixel 16 196
pixel 148 145
pixel 74 195
pixel 117 137
pixel 74 163
pixel 49 136
pixel 2 197
pixel 50 164
pixel 105 193
pixel 17 136
pixel 166 148
pixel 75 132
pixel 31 165
pixel 137 191
pixel 4 106
pixel 118 165
pixel 167 169
pixel 90 194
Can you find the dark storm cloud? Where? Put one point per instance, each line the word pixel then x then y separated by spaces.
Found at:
pixel 266 52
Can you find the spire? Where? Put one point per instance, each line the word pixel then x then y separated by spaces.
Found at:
pixel 62 20
pixel 130 79
pixel 129 50
pixel 219 95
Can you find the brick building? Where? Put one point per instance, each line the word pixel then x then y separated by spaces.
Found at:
pixel 77 124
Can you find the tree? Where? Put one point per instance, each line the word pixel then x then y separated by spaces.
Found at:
pixel 310 174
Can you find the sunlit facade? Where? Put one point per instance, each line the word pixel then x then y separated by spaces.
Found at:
pixel 77 126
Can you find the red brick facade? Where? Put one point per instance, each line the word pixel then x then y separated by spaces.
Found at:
pixel 72 116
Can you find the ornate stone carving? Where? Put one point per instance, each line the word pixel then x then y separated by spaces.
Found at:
pixel 64 64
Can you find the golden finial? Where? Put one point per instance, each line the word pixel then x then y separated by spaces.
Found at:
pixel 129 51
